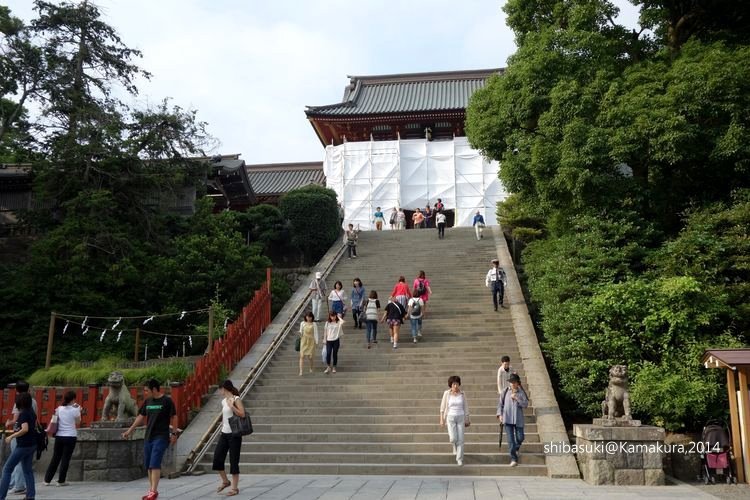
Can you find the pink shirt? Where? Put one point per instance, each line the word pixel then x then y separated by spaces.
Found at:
pixel 426 288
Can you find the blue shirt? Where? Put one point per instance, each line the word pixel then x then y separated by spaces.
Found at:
pixel 378 215
pixel 358 297
pixel 477 218
pixel 512 411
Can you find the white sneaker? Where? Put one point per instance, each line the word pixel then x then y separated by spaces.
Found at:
pixel 419 334
pixel 460 462
pixel 513 463
pixel 45 483
pixel 328 370
pixel 415 340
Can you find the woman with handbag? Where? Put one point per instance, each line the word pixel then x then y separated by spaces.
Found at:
pixel 63 426
pixel 230 442
pixel 307 340
pixel 336 299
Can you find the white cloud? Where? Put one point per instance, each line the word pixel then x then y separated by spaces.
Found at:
pixel 249 68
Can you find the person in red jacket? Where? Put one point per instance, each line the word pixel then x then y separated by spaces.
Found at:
pixel 401 292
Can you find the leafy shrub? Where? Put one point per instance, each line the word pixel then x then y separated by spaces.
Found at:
pixel 75 373
pixel 313 215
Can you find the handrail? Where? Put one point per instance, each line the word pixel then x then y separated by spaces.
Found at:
pixel 213 431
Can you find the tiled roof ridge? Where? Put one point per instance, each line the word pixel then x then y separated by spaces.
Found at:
pixel 304 165
pixel 468 74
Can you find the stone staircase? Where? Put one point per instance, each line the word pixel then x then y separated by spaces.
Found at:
pixel 379 414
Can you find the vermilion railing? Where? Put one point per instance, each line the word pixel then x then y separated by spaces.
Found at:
pixel 225 353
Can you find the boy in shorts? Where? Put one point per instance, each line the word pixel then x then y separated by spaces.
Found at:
pixel 161 431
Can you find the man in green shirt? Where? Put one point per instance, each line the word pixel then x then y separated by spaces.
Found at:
pixel 161 430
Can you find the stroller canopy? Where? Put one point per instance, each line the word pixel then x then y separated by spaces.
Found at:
pixel 714 434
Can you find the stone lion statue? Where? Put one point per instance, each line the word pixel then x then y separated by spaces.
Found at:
pixel 119 399
pixel 616 402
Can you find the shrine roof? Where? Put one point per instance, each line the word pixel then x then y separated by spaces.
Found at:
pixel 277 178
pixel 727 358
pixel 414 92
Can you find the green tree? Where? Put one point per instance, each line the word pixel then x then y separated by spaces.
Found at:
pixel 589 115
pixel 265 227
pixel 313 215
pixel 211 260
pixel 109 247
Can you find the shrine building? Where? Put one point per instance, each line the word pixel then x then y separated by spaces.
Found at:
pixel 399 141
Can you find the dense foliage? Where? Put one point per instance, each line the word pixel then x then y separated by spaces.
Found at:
pixel 108 241
pixel 313 215
pixel 627 152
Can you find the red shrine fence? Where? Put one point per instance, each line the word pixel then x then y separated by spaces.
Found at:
pixel 225 353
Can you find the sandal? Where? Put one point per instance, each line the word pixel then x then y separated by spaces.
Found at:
pixel 223 487
pixel 233 492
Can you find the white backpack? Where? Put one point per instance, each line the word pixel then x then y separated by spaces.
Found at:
pixel 371 311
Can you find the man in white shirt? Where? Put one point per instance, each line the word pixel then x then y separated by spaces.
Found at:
pixel 440 223
pixel 496 281
pixel 503 374
pixel 319 297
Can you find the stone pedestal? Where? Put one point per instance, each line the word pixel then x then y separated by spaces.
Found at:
pixel 621 455
pixel 103 455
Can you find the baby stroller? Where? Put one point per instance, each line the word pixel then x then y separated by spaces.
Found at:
pixel 717 455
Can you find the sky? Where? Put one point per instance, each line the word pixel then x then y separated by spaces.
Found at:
pixel 249 68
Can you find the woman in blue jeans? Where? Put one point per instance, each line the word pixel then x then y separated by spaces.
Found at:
pixel 25 436
pixel 510 413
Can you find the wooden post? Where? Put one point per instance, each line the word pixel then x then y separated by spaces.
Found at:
pixel 50 336
pixel 734 417
pixel 137 343
pixel 210 326
pixel 744 415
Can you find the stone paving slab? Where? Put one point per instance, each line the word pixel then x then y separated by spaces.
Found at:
pixel 367 488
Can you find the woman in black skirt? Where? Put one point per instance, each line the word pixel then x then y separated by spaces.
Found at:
pixel 230 405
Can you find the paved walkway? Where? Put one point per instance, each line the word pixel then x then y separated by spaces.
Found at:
pixel 366 488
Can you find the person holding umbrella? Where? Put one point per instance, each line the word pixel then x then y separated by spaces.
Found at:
pixel 510 414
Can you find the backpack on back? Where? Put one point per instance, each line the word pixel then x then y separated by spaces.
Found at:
pixel 421 288
pixel 41 439
pixel 371 309
pixel 416 308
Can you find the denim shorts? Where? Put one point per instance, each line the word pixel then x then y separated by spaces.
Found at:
pixel 153 451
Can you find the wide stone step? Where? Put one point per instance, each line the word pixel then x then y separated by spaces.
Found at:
pixel 365 428
pixel 488 447
pixel 342 404
pixel 394 418
pixel 359 457
pixel 376 387
pixel 291 379
pixel 531 442
pixel 389 469
pixel 337 382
